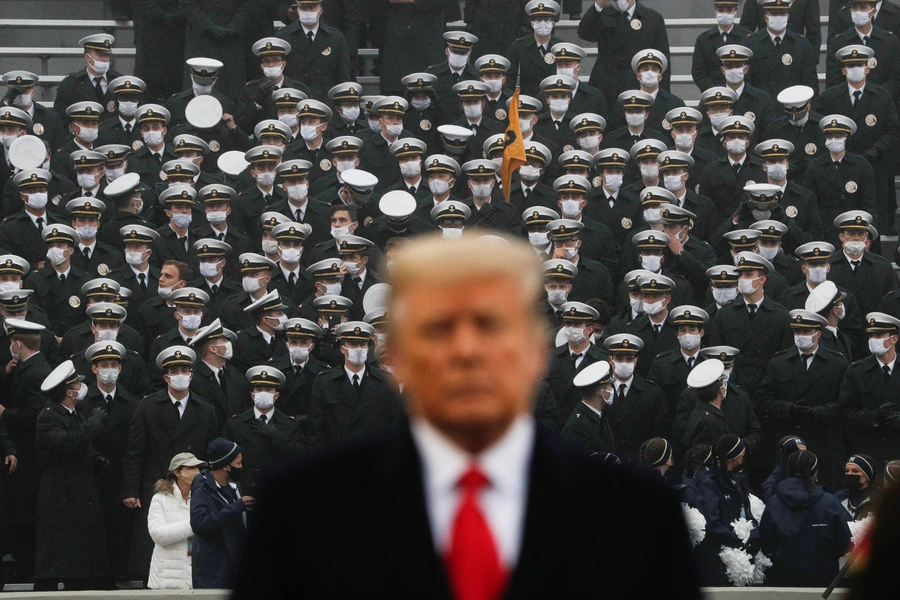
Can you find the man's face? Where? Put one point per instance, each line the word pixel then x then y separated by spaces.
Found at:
pixel 168 277
pixel 466 352
pixel 341 218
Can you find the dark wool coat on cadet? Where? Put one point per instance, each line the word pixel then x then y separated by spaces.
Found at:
pixel 740 416
pixel 774 69
pixel 320 64
pixel 79 87
pixel 214 30
pixel 218 522
pixel 706 66
pixel 849 186
pixel 637 417
pixel 869 410
pixel 159 44
pixel 262 446
pixel 71 542
pixel 804 531
pixel 229 398
pixel 794 400
pixel 496 23
pixel 723 498
pixel 839 19
pixel 418 25
pixel 589 430
pixel 887 55
pixel 337 411
pixel 562 371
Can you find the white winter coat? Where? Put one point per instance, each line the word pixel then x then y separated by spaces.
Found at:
pixel 169 522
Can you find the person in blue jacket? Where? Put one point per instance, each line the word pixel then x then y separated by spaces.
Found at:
pixel 723 499
pixel 786 446
pixel 218 517
pixel 695 469
pixel 859 486
pixel 804 529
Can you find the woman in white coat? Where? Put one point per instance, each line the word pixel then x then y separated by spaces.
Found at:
pixel 169 522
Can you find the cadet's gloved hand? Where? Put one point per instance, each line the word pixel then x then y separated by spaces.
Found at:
pixel 263 92
pixel 98 416
pixel 778 213
pixel 752 546
pixel 801 413
pixel 11 94
pixel 744 211
pixel 266 431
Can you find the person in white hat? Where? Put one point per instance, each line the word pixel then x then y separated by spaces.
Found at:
pixel 707 422
pixel 725 178
pixel 92 82
pixel 587 426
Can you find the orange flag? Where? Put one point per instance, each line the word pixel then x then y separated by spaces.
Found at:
pixel 514 147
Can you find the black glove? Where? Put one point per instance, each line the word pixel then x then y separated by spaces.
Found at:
pixel 744 211
pixel 101 466
pixel 872 154
pixel 777 213
pixel 752 546
pixel 11 93
pixel 801 413
pixel 263 92
pixel 891 420
pixel 98 416
pixel 266 431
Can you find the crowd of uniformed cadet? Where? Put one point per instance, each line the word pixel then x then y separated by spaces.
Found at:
pixel 219 247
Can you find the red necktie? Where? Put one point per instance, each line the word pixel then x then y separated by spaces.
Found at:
pixel 473 561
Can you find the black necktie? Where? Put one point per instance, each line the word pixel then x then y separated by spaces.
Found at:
pixel 128 128
pixel 40 223
pixel 157 158
pixel 865 40
pixel 556 124
pixel 309 35
pixel 299 215
pixel 87 253
pixel 142 279
pixel 356 381
pixel 175 405
pixel 109 399
pixel 99 89
pixel 724 38
pixel 736 167
pixel 184 243
pixel 412 190
pixel 575 358
pixel 777 42
pixel 837 164
pixel 220 236
pixel 856 96
pixel 690 362
pixel 88 195
pixel 542 50
pixel 214 289
pixel 656 330
pixel 62 278
pixel 268 198
pixel 806 358
pixel 263 419
pixel 621 393
pixel 752 308
pixel 292 279
pixel 855 264
pixel 887 372
pixel 358 282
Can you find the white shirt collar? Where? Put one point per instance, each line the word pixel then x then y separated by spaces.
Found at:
pixel 315 30
pixel 505 464
pixel 889 365
pixel 269 416
pixel 350 373
pixel 628 383
pixel 851 90
pixel 265 335
pixel 592 409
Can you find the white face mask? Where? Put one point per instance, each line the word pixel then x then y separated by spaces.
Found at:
pixel 457 61
pixel 494 85
pixel 839 311
pixel 836 145
pixel 99 67
pixel 589 143
pixel 438 187
pixel 191 322
pixel 57 256
pixel 856 74
pixel 860 17
pixel 209 269
pixel 282 319
pixel 538 239
pixel 854 248
pixel 734 75
pixel 613 181
pixel 777 171
pixel 395 130
pixel 332 289
pixel 723 296
pixel 201 90
pixel 574 335
pixel 571 208
pixel 635 119
pixel 265 179
pixel 165 292
pixel 684 141
pixel 570 253
pixel 309 132
pixel 651 263
pixel 777 23
pixel 877 347
pixel 82 393
pixel 420 104
pixel 182 220
pixel 652 216
pixel 637 305
pixel 621 5
pixel 299 354
pixel 650 78
pixel 804 342
pixel 22 100
pixel 736 146
pixel 482 190
pixel 542 28
pixel 108 376
pixel 357 356
pixel 350 115
pixel 716 119
pixel 127 109
pixel 269 246
pixel 37 201
pixel 451 233
pixel 228 353
pixel 725 19
pixel 298 192
pixel 251 284
pixel 567 71
pixel 412 168
pixel 87 232
pixel 87 134
pixel 623 370
pixel 352 267
pixel 8 286
pixel 525 124
pixel 672 182
pixel 179 383
pixel 528 172
pixel 290 120
pixel 263 400
pixel 817 275
pixel 86 181
pixel 689 341
pixel 746 286
pixel 346 165
pixel 768 252
pixel 653 308
pixel 7 140
pixel 216 216
pixel 134 258
pixel 472 111
pixel 559 106
pixel 272 73
pixel 557 297
pixel 374 125
pixel 113 174
pixel 291 255
pixel 152 138
pixel 139 206
pixel 107 335
pixel 309 17
pixel 649 171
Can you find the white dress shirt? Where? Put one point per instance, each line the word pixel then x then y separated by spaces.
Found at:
pixel 505 464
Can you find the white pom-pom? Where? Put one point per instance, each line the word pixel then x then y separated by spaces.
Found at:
pixel 858 529
pixel 742 528
pixel 761 562
pixel 738 566
pixel 696 523
pixel 757 508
